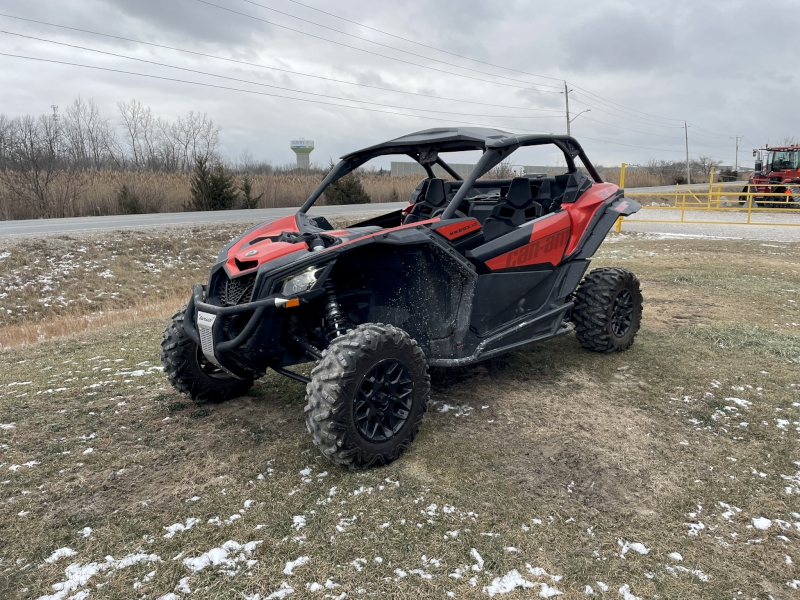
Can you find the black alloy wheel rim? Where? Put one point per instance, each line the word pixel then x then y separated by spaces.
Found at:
pixel 383 401
pixel 622 316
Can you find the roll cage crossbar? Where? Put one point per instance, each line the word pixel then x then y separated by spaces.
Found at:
pixel 424 147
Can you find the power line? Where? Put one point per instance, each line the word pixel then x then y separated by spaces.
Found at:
pixel 246 91
pixel 605 101
pixel 628 119
pixel 456 54
pixel 286 70
pixel 308 100
pixel 242 62
pixel 425 45
pixel 277 87
pixel 358 37
pixel 526 87
pixel 628 116
pixel 673 137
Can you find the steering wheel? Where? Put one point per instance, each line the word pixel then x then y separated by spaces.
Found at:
pixel 440 211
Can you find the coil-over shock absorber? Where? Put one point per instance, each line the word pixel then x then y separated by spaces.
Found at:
pixel 335 319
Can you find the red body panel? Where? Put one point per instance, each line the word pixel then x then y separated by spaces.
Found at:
pixel 583 209
pixel 252 256
pixel 548 240
pixel 766 184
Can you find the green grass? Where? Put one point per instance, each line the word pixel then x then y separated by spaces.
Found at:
pixel 559 453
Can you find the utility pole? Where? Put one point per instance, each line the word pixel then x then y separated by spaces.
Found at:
pixel 688 168
pixel 566 97
pixel 736 159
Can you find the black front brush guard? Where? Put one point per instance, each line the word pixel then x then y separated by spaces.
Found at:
pixel 212 341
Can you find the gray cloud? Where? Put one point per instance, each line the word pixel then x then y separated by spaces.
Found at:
pixel 703 61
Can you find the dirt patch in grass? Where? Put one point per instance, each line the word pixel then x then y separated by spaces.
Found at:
pixel 571 468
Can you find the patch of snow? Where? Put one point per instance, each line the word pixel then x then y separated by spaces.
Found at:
pixel 625 592
pixel 740 402
pixel 298 522
pixel 78 575
pixel 177 527
pixel 224 556
pixel 675 556
pixel 59 554
pixel 284 590
pixel 507 584
pixel 761 523
pixel 478 566
pixel 86 532
pixel 635 546
pixel 183 586
pixel 293 564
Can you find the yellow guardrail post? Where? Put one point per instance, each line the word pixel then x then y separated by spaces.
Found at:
pixel 683 207
pixel 710 188
pixel 750 202
pixel 622 186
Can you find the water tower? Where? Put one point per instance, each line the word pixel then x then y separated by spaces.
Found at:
pixel 303 149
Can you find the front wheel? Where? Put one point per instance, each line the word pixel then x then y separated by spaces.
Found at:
pixel 190 372
pixel 368 395
pixel 608 310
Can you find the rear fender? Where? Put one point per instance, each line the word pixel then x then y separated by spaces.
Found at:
pixel 615 207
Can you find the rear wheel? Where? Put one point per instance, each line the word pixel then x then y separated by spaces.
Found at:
pixel 608 310
pixel 368 395
pixel 190 372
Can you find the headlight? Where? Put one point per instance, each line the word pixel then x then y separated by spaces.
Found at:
pixel 301 282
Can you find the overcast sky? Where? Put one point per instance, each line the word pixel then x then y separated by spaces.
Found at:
pixel 641 67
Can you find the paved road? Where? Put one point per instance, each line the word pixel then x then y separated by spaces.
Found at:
pixel 109 223
pixel 780 226
pixel 49 226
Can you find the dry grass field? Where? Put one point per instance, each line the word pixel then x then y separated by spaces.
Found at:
pixel 95 192
pixel 669 471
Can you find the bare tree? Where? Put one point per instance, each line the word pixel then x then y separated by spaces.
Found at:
pixel 91 138
pixel 703 164
pixel 38 173
pixel 138 131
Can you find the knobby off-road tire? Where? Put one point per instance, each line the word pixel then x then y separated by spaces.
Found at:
pixel 608 310
pixel 190 372
pixel 368 395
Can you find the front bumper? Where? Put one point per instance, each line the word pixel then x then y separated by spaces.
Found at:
pixel 204 324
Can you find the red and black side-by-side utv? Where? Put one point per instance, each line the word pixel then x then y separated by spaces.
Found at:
pixel 470 269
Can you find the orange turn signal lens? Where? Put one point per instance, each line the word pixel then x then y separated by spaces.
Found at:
pixel 293 302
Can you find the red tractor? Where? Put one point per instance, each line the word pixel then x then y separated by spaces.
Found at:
pixel 780 174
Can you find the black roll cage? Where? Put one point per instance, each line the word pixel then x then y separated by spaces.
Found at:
pixel 424 147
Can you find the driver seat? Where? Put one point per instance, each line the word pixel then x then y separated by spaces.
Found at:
pixel 432 197
pixel 519 207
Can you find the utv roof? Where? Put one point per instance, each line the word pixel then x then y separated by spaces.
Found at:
pixel 425 146
pixel 453 139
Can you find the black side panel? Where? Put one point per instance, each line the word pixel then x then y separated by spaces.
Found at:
pixel 603 225
pixel 572 277
pixel 419 288
pixel 574 185
pixel 503 297
pixel 514 239
pixel 386 221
